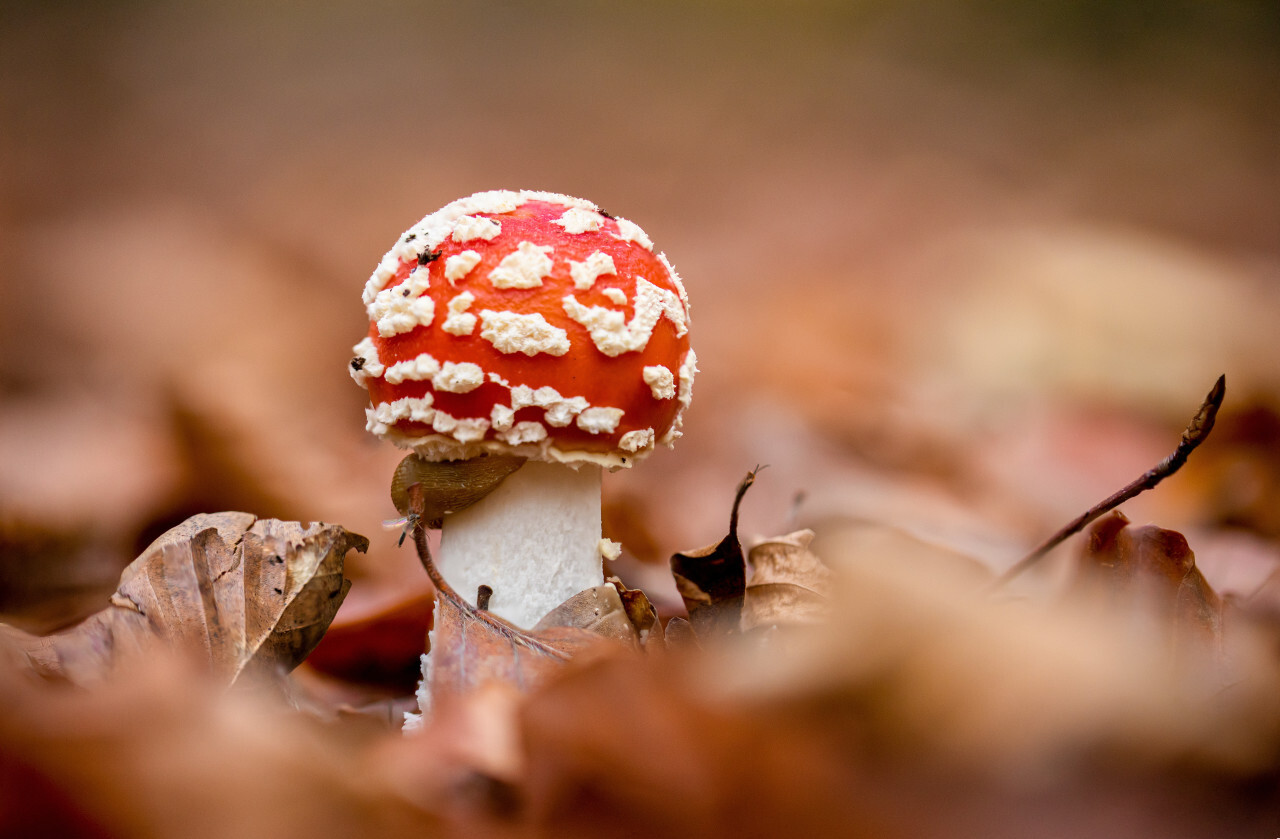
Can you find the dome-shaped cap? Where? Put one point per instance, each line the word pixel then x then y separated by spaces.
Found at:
pixel 529 323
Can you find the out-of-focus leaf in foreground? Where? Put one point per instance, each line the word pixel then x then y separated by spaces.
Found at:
pixel 245 595
pixel 167 752
pixel 1150 571
pixel 933 664
pixel 920 706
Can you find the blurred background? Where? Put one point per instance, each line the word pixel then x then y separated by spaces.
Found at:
pixel 960 267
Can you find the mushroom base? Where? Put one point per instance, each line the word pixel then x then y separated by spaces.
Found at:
pixel 535 540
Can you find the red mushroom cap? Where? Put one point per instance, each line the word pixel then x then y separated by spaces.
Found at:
pixel 528 323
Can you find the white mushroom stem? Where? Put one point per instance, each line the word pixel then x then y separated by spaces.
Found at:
pixel 535 540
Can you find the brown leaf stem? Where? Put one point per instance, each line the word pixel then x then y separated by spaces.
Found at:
pixel 1195 434
pixel 502 628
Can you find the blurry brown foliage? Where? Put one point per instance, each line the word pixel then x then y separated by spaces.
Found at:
pixel 956 270
pixel 917 704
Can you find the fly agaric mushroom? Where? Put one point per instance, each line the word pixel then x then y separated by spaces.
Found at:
pixel 536 325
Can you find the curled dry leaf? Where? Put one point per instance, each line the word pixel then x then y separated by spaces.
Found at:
pixel 599 610
pixel 712 580
pixel 789 583
pixel 1155 570
pixel 245 594
pixel 642 614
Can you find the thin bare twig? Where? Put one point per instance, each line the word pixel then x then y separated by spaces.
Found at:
pixel 1194 435
pixel 507 630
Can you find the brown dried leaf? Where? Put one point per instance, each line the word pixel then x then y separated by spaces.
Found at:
pixel 789 584
pixel 1157 569
pixel 642 614
pixel 304 566
pixel 599 610
pixel 472 648
pixel 712 580
pixel 245 595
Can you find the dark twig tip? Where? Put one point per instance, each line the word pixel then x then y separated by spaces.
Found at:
pixel 737 499
pixel 1204 419
pixel 1198 429
pixel 1219 390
